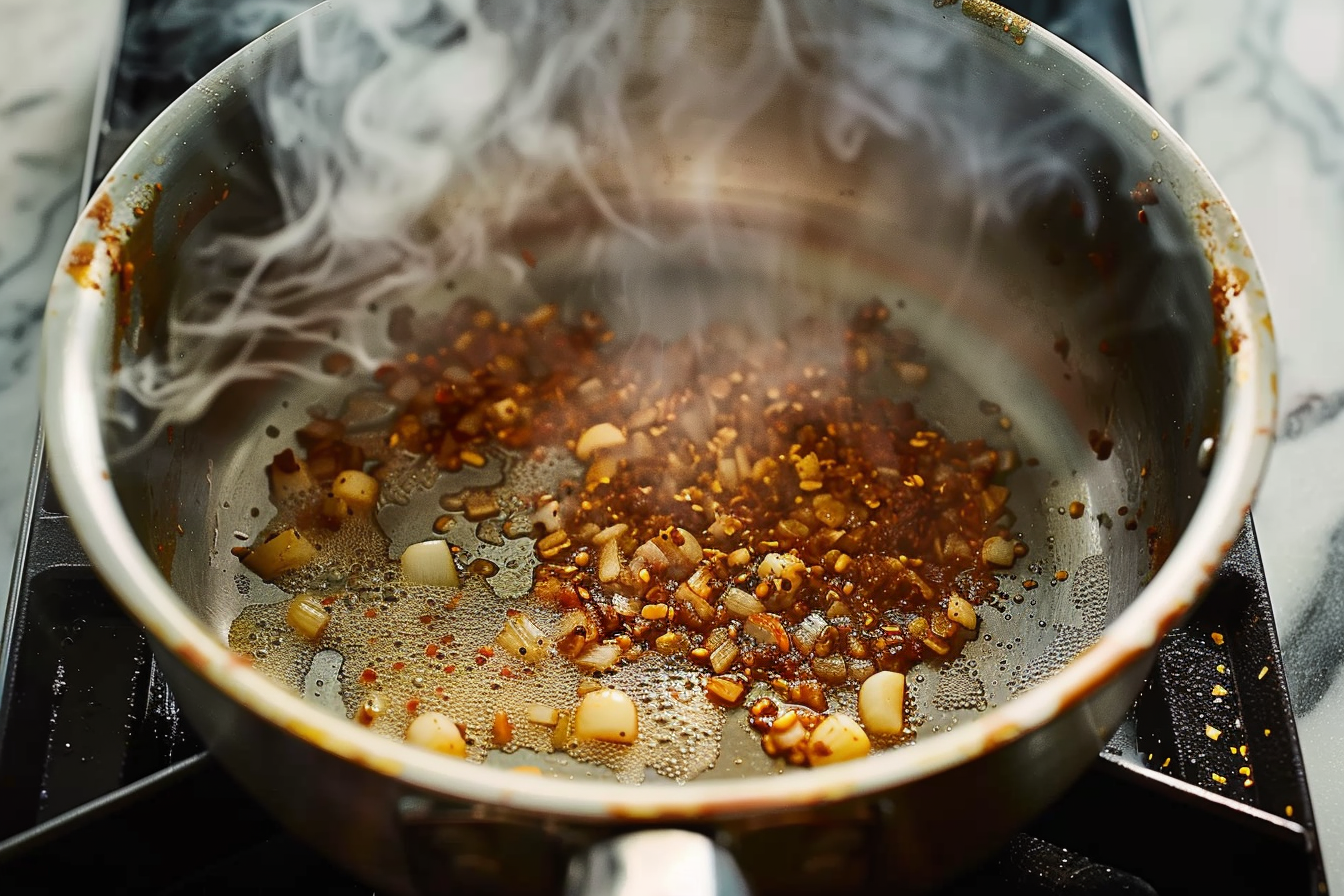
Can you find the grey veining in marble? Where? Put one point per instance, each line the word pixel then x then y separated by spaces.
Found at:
pixel 49 59
pixel 1257 88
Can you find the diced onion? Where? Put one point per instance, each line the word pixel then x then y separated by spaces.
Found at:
pixel 652 555
pixel 805 634
pixel 627 606
pixel 541 714
pixel 522 639
pixel 357 489
pixel 723 657
pixel 768 630
pixel 882 703
pixel 607 715
pixel 429 563
pixel 702 583
pixel 830 669
pixel 726 691
pixel 284 551
pixel 288 483
pixel 611 533
pixel 860 670
pixel 436 731
pixel 690 548
pixel 741 604
pixel 307 616
pixel 609 562
pixel 598 657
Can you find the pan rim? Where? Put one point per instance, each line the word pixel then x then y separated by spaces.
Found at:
pixel 79 467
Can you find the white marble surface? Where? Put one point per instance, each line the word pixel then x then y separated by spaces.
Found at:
pixel 1256 86
pixel 50 53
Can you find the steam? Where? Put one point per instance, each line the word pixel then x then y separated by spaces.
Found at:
pixel 411 136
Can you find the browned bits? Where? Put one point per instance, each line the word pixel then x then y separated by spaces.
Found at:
pixel 725 691
pixel 1076 509
pixel 759 510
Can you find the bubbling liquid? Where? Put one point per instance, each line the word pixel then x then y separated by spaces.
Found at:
pixel 785 527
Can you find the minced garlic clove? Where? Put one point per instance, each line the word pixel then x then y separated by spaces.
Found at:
pixel 837 739
pixel 429 563
pixel 438 732
pixel 882 703
pixel 607 715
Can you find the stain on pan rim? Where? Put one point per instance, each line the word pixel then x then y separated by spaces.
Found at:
pixel 75 356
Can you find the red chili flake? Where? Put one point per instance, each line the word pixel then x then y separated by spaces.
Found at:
pixel 431 650
pixel 426 619
pixel 370 613
pixel 397 667
pixel 368 676
pixel 412 705
pixel 506 672
pixel 529 258
pixel 487 651
pixel 328 601
pixel 480 661
pixel 438 692
pixel 446 639
pixel 450 670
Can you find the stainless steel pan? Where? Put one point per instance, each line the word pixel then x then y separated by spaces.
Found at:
pixel 1145 327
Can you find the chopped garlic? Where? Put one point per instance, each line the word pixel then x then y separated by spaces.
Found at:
pixel 429 563
pixel 436 731
pixel 882 703
pixel 607 715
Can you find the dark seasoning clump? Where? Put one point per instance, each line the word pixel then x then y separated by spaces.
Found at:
pixel 755 512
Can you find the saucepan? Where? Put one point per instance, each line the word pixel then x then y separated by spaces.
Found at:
pixel 1087 297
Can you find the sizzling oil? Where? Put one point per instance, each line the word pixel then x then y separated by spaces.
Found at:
pixel 400 648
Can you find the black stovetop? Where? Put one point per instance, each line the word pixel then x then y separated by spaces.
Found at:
pixel 103 784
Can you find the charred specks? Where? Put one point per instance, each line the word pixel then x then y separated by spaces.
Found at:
pixel 81 259
pixel 993 15
pixel 101 211
pixel 1144 193
pixel 1101 444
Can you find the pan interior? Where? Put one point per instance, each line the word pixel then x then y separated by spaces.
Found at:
pixel 1079 331
pixel 987 343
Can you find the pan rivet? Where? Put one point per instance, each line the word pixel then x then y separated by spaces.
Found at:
pixel 1207 448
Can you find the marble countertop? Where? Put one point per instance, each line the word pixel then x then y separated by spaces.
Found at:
pixel 1255 86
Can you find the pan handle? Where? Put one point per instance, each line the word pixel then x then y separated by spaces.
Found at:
pixel 655 863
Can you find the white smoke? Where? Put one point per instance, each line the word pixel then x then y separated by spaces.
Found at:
pixel 410 135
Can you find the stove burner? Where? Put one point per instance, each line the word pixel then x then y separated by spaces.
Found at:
pixel 99 776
